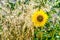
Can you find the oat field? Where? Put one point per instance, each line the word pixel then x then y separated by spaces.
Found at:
pixel 29 19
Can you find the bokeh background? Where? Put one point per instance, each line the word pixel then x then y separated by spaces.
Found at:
pixel 16 24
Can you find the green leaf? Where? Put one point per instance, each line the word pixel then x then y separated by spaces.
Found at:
pixel 19 2
pixel 0 8
pixel 57 5
pixel 26 2
pixel 19 13
pixel 12 5
pixel 35 38
pixel 0 27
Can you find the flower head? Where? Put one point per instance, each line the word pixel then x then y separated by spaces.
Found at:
pixel 39 18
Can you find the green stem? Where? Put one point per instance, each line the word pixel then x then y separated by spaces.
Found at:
pixel 53 35
pixel 46 38
pixel 41 33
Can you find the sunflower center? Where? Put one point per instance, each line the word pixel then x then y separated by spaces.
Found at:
pixel 40 18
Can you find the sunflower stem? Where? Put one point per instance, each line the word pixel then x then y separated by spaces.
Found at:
pixel 41 33
pixel 46 38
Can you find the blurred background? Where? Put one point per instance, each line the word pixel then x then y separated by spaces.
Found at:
pixel 16 24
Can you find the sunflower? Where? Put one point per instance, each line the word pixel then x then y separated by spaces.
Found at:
pixel 39 18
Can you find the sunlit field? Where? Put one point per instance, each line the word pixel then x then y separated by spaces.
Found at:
pixel 29 19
